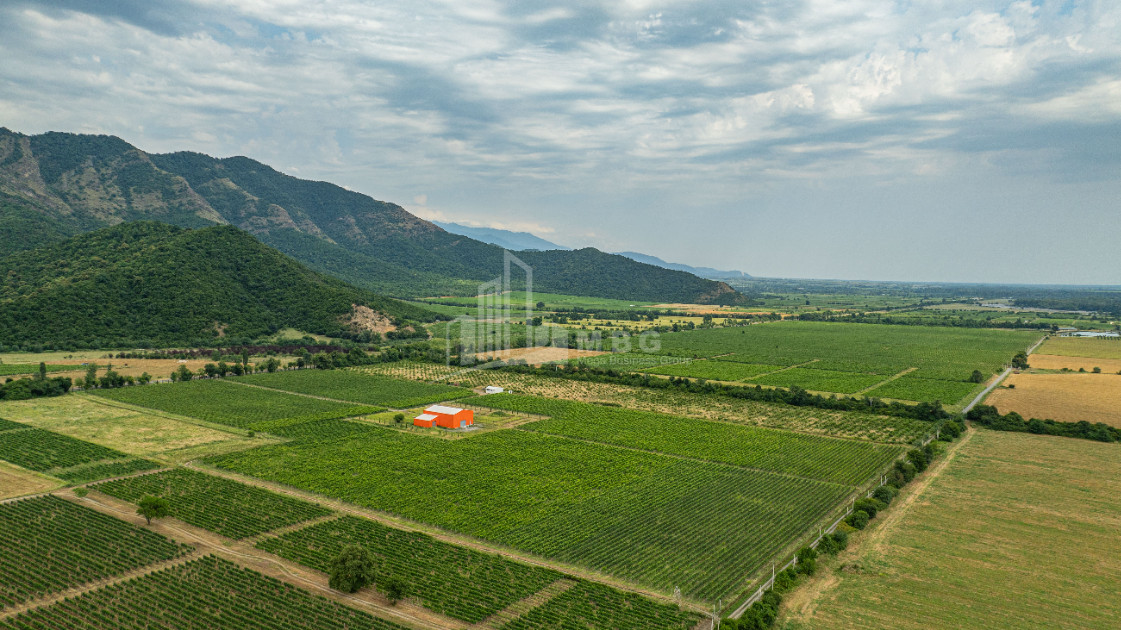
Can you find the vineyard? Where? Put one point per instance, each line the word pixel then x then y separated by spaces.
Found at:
pixel 50 544
pixel 205 594
pixel 590 605
pixel 12 369
pixel 912 387
pixel 359 387
pixel 844 424
pixel 453 581
pixel 820 380
pixel 219 505
pixel 656 520
pixel 825 459
pixel 105 470
pixel 714 370
pixel 234 405
pixel 61 455
pixel 322 430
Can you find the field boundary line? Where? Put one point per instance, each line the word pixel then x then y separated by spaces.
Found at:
pixel 95 585
pixel 447 536
pixel 285 391
pixel 886 381
pixel 248 556
pixel 295 527
pixel 525 605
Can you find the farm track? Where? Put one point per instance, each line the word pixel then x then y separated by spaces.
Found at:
pixel 519 608
pixel 997 381
pixel 246 555
pixel 446 536
pixel 885 382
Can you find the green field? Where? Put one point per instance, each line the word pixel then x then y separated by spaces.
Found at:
pixel 234 405
pixel 358 387
pixel 205 594
pixel 62 456
pixel 13 369
pixel 653 519
pixel 454 581
pixel 820 380
pixel 50 545
pixel 714 370
pixel 1017 531
pixel 219 505
pixel 824 459
pixel 911 387
pixel 1093 348
pixel 320 430
pixel 591 605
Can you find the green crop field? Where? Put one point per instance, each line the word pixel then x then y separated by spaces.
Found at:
pixel 12 369
pixel 235 405
pixel 105 470
pixel 943 353
pixel 714 370
pixel 50 545
pixel 222 506
pixel 453 581
pixel 205 594
pixel 590 605
pixel 910 387
pixel 8 425
pixel 42 451
pixel 322 429
pixel 653 519
pixel 359 387
pixel 820 380
pixel 825 459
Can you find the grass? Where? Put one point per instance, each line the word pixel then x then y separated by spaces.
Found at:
pixel 12 369
pixel 205 594
pixel 95 419
pixel 1018 531
pixel 51 544
pixel 357 387
pixel 230 404
pixel 17 482
pixel 219 505
pixel 651 519
pixel 1099 348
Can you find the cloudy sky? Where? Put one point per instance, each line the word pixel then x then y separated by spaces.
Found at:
pixel 945 141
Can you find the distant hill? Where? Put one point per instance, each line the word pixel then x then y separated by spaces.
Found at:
pixel 703 272
pixel 146 283
pixel 57 185
pixel 506 239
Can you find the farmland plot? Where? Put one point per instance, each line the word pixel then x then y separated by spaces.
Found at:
pixel 222 506
pixel 715 370
pixel 62 456
pixel 51 544
pixel 356 386
pixel 591 605
pixel 825 459
pixel 454 581
pixel 233 405
pixel 820 380
pixel 913 387
pixel 205 594
pixel 648 517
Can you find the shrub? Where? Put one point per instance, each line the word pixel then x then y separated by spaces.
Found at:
pixel 807 561
pixel 919 458
pixel 81 491
pixel 884 494
pixel 870 506
pixel 858 519
pixel 841 539
pixel 907 469
pixel 395 588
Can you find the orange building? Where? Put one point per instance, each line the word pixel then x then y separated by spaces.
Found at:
pixel 445 417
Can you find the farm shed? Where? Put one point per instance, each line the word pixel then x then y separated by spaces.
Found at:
pixel 494 389
pixel 445 417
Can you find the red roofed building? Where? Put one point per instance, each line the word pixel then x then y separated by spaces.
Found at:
pixel 445 417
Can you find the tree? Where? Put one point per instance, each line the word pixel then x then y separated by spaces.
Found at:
pixel 1020 360
pixel 395 588
pixel 352 569
pixel 43 371
pixel 977 377
pixel 398 418
pixel 91 376
pixel 151 507
pixel 144 378
pixel 184 373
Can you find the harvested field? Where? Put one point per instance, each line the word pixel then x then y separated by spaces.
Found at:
pixel 1068 397
pixel 537 356
pixel 1056 362
pixel 16 482
pixel 1018 531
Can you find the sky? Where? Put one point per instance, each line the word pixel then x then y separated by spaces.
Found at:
pixel 950 141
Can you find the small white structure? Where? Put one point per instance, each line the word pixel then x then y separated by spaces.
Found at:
pixel 492 389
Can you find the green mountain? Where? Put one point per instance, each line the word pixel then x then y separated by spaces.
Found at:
pixel 146 283
pixel 57 185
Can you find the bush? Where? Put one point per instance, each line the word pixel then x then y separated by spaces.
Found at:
pixel 841 539
pixel 858 519
pixel 807 561
pixel 907 469
pixel 870 506
pixel 919 458
pixel 884 494
pixel 394 588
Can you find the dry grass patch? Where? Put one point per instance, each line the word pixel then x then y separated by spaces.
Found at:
pixel 1095 347
pixel 1018 531
pixel 1057 362
pixel 537 356
pixel 1068 397
pixel 17 482
pixel 130 431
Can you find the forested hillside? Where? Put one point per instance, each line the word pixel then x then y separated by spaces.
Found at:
pixel 57 185
pixel 147 283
